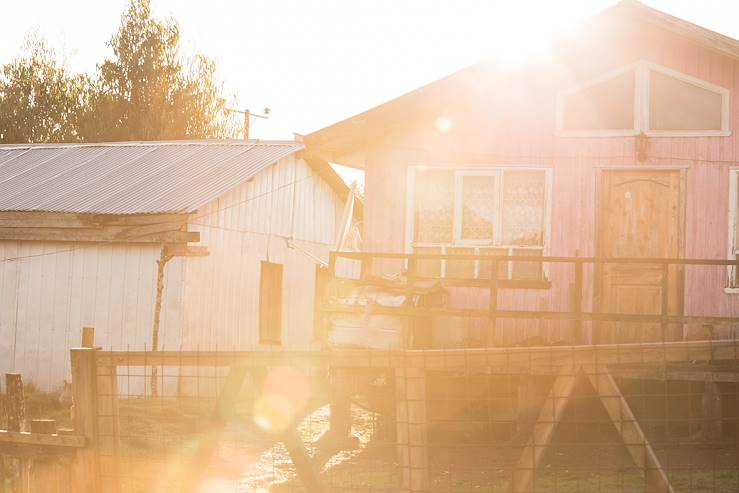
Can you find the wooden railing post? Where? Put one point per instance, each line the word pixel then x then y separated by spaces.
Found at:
pixel 86 468
pixel 493 303
pixel 577 302
pixel 412 270
pixel 665 308
pixel 365 264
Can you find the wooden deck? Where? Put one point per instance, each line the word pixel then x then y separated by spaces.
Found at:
pixel 572 283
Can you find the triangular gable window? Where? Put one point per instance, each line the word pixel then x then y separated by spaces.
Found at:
pixel 605 105
pixel 644 97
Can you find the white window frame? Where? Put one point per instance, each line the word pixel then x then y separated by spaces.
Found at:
pixel 458 173
pixel 731 275
pixel 641 104
pixel 459 206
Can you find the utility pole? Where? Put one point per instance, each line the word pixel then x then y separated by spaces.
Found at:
pixel 247 118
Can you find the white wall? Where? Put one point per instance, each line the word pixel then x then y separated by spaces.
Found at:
pixel 244 227
pixel 48 296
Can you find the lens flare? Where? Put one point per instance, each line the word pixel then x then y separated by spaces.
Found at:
pixel 443 124
pixel 285 393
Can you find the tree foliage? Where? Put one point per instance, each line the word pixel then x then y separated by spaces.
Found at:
pixel 145 91
pixel 40 99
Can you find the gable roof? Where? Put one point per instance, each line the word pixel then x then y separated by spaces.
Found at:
pixel 633 10
pixel 347 135
pixel 130 177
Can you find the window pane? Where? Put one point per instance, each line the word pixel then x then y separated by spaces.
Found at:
pixel 524 197
pixel 678 105
pixel 478 207
pixel 433 208
pixel 608 105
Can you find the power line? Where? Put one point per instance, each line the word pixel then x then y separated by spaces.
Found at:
pixel 255 197
pixel 57 252
pixel 95 244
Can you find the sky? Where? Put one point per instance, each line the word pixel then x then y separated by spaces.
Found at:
pixel 316 62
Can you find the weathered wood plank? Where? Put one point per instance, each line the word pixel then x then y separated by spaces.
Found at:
pixel 628 428
pixel 137 232
pixel 44 426
pixel 179 250
pixel 543 431
pixel 701 374
pixel 40 439
pixel 510 360
pixel 110 234
pixel 84 377
pixel 552 259
pixel 15 405
pixel 88 337
pixel 108 429
pixel 38 219
pixel 532 315
pixel 304 467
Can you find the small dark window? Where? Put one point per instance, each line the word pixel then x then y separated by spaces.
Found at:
pixel 607 105
pixel 270 304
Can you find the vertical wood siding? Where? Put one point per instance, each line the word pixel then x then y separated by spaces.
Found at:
pixel 47 297
pixel 508 119
pixel 209 302
pixel 243 227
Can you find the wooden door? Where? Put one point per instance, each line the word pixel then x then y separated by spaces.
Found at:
pixel 639 216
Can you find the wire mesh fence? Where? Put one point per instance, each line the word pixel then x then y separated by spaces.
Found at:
pixel 618 418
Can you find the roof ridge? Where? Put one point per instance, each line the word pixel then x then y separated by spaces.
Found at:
pixel 146 143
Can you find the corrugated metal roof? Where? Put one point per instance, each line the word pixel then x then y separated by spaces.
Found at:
pixel 129 177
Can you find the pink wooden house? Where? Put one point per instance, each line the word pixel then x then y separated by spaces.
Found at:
pixel 623 143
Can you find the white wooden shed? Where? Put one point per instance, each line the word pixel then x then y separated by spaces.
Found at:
pixel 83 229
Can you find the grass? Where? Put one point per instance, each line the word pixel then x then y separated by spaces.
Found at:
pixel 40 405
pixel 155 436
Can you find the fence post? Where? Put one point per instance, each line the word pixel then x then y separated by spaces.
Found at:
pixel 108 428
pixel 86 468
pixel 16 406
pixel 44 470
pixel 88 337
pixel 16 410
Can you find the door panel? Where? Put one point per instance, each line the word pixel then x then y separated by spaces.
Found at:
pixel 639 216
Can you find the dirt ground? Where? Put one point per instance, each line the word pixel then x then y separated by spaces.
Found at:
pixel 250 461
pixel 156 435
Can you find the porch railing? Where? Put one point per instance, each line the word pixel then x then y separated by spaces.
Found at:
pixel 400 272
